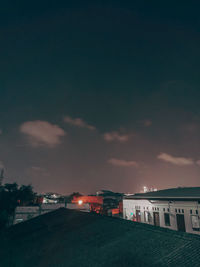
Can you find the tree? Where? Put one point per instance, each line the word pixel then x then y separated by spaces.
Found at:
pixel 8 203
pixel 11 196
pixel 11 188
pixel 26 195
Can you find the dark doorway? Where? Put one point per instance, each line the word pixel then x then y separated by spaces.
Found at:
pixel 180 222
pixel 156 219
pixel 138 216
pixel 167 219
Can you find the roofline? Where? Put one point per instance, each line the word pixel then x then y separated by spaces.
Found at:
pixel 161 198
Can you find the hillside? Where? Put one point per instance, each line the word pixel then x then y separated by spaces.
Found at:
pixel 71 238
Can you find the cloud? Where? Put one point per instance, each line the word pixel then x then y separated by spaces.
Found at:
pixel 180 161
pixel 115 136
pixel 147 123
pixel 42 133
pixel 78 122
pixel 123 163
pixel 198 162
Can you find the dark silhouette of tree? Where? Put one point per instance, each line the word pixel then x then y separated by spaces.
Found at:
pixel 8 203
pixel 26 195
pixel 10 197
pixel 11 188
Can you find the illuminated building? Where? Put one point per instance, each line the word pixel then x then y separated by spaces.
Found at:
pixel 176 208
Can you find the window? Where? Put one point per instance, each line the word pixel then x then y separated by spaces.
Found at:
pixel 196 211
pixel 168 209
pixel 195 223
pixel 152 208
pixel 179 210
pixel 167 219
pixel 137 207
pixel 147 208
pixel 175 210
pixel 157 208
pixel 190 211
pixel 163 209
pixel 147 217
pixel 182 210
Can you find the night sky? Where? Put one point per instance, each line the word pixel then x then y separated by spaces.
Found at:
pixel 100 96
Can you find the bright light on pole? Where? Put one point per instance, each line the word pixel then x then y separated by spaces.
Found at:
pixel 80 202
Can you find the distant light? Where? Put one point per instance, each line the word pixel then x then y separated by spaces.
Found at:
pixel 145 188
pixel 80 202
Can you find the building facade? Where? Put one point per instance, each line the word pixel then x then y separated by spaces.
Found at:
pixel 24 213
pixel 176 209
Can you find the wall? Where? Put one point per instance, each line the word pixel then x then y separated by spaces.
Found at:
pixel 29 212
pixel 83 207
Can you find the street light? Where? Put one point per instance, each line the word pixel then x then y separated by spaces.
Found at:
pixel 80 202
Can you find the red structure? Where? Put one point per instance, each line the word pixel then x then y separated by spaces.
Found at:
pixel 115 212
pixel 88 199
pixel 97 205
pixel 96 202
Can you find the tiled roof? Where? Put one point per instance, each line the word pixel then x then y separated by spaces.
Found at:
pixel 172 193
pixel 71 238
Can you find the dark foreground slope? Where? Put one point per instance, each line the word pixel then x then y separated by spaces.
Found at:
pixel 71 238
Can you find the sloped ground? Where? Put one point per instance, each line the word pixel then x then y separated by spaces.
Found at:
pixel 71 238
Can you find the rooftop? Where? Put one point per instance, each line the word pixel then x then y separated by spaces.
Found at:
pixel 172 193
pixel 71 238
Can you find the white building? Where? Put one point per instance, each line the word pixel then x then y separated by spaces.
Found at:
pixel 24 213
pixel 176 208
